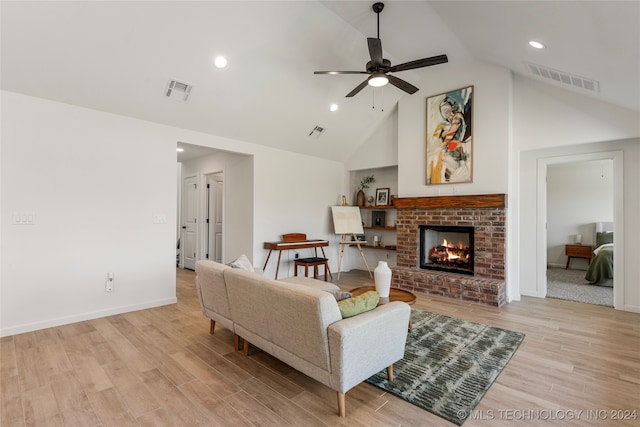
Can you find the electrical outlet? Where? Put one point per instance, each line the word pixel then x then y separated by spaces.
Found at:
pixel 296 255
pixel 108 284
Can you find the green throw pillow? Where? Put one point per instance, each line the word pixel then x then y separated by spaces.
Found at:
pixel 603 238
pixel 352 306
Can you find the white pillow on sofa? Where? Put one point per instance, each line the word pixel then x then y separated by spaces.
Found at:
pixel 243 263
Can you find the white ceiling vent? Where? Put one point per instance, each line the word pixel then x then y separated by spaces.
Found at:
pixel 563 78
pixel 316 132
pixel 178 91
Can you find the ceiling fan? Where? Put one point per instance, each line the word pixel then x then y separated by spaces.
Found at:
pixel 378 67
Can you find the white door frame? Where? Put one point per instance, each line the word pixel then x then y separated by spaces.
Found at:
pixel 618 219
pixel 202 212
pixel 196 225
pixel 207 215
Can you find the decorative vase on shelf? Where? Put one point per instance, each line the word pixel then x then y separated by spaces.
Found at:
pixel 382 279
pixel 360 198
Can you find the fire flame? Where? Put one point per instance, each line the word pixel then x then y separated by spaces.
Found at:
pixel 450 255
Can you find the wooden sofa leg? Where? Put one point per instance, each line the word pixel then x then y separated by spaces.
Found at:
pixel 212 326
pixel 341 404
pixel 236 342
pixel 390 373
pixel 245 348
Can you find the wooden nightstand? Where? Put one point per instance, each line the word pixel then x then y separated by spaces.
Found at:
pixel 578 251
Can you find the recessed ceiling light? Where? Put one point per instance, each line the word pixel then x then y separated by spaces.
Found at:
pixel 179 150
pixel 536 44
pixel 220 61
pixel 333 107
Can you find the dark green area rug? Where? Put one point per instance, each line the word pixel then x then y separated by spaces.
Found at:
pixel 449 364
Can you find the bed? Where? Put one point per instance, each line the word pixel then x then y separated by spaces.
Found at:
pixel 601 267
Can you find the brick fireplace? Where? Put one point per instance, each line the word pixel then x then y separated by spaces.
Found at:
pixel 486 214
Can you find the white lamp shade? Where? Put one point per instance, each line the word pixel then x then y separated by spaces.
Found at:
pixel 377 80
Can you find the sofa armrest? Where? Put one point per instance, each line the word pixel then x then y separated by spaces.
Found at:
pixel 363 345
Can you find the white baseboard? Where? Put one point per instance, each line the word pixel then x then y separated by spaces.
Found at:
pixel 632 308
pixel 35 326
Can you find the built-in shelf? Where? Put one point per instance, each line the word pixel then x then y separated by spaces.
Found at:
pixel 382 248
pixel 380 228
pixel 378 207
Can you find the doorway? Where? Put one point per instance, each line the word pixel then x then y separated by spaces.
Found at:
pixel 543 195
pixel 579 195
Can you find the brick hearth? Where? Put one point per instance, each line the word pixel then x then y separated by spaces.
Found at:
pixel 487 214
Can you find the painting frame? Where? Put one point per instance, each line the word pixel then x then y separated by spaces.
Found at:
pixel 382 196
pixel 449 137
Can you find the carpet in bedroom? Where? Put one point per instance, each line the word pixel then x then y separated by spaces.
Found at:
pixel 571 285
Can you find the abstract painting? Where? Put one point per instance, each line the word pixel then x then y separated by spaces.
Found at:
pixel 449 153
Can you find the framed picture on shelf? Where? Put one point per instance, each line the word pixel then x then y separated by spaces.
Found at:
pixel 449 157
pixel 378 219
pixel 382 196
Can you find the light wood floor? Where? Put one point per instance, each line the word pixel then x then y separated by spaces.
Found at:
pixel 161 367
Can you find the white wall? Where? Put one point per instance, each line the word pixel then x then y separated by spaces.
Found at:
pixel 380 149
pixel 578 194
pixel 96 180
pixel 490 130
pixel 294 194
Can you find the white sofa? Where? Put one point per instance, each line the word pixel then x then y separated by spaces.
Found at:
pixel 298 322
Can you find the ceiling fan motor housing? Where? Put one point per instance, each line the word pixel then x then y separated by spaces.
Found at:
pixel 372 68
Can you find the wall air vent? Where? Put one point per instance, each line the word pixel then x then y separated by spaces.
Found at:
pixel 563 78
pixel 316 132
pixel 178 91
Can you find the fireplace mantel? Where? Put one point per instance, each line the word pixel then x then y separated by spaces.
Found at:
pixel 482 201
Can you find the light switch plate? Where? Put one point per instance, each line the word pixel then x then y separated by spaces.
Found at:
pixel 23 218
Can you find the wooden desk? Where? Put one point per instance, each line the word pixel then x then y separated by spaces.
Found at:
pixel 287 246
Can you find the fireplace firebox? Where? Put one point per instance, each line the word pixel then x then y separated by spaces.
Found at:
pixel 446 248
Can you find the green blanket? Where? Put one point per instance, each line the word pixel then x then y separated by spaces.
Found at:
pixel 601 267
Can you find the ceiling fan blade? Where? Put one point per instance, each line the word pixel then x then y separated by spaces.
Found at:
pixel 340 72
pixel 401 84
pixel 419 63
pixel 357 89
pixel 375 50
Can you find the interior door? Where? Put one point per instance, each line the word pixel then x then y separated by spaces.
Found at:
pixel 189 221
pixel 215 186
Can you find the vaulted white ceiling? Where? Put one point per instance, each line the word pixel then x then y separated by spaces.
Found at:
pixel 117 56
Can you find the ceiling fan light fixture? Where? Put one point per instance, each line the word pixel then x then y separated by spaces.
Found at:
pixel 378 80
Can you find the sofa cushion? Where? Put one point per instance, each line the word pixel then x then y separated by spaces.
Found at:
pixel 353 306
pixel 243 263
pixel 292 318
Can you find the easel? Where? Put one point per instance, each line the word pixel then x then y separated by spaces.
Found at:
pixel 347 222
pixel 344 242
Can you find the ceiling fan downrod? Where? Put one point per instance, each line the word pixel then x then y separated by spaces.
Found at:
pixel 377 8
